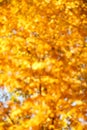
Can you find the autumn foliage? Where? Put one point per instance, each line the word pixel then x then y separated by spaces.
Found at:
pixel 43 65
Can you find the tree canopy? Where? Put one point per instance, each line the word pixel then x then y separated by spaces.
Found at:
pixel 43 65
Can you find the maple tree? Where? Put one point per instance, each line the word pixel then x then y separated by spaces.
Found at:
pixel 43 64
